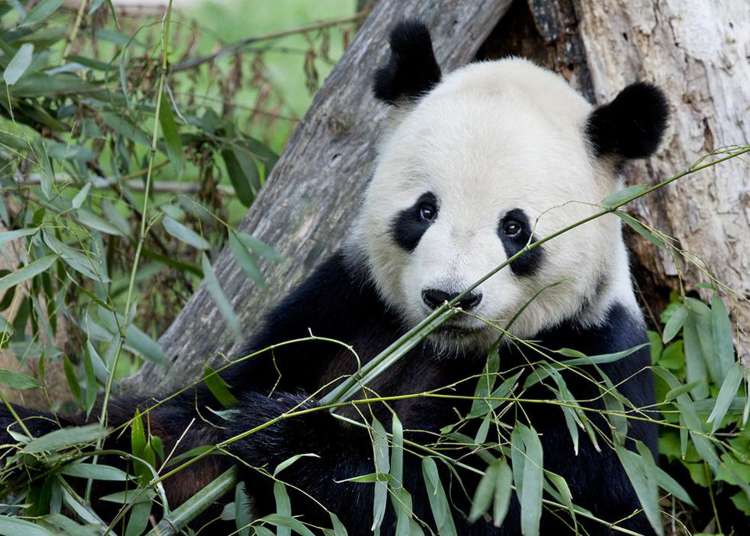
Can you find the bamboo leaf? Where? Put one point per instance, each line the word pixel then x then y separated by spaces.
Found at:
pixel 674 324
pixel 222 303
pixel 64 438
pixel 484 492
pixel 12 526
pixel 722 334
pixel 218 388
pixel 258 247
pixel 138 519
pixel 293 459
pixel 729 388
pixel 17 380
pixel 695 365
pixel 125 128
pixel 245 259
pixel 439 505
pixel 619 197
pixel 382 466
pixel 80 197
pixel 27 272
pixel 91 220
pixel 283 507
pixel 243 174
pixel 287 522
pixel 242 515
pixel 184 234
pixel 171 135
pixel 6 236
pixel 644 483
pixel 41 11
pixel 89 266
pixel 533 481
pixel 503 493
pixel 18 64
pixel 95 472
pixel 641 229
pixel 397 451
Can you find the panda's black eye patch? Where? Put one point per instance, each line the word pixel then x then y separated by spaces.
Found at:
pixel 410 224
pixel 515 232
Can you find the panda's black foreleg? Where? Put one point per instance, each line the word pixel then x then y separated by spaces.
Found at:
pixel 340 452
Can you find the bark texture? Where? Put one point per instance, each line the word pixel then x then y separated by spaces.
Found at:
pixel 313 191
pixel 699 53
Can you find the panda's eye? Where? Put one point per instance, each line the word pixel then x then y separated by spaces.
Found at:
pixel 512 228
pixel 427 212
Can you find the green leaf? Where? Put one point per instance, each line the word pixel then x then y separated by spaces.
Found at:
pixel 245 260
pixel 64 438
pixel 439 505
pixel 131 496
pixel 125 128
pixel 283 507
pixel 641 229
pixel 287 522
pixel 222 303
pixel 18 64
pixel 91 386
pixel 623 196
pixel 80 197
pixel 533 482
pixel 70 375
pixel 695 365
pixel 644 482
pixel 218 388
pixel 258 247
pixel 95 472
pixel 243 174
pixel 382 466
pixel 6 236
pixel 484 492
pixel 17 381
pixel 171 135
pixel 138 519
pixel 41 11
pixel 184 234
pixel 729 388
pixel 12 526
pixel 722 334
pixel 242 515
pixel 88 265
pixel 338 527
pixel 27 272
pixel 503 492
pixel 397 451
pixel 91 220
pixel 674 324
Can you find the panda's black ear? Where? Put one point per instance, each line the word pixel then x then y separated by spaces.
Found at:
pixel 632 125
pixel 412 69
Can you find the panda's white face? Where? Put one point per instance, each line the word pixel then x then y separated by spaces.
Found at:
pixel 494 157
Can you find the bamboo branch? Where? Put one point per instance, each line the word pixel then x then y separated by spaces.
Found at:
pixel 242 43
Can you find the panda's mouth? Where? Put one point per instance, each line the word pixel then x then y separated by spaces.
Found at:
pixel 456 330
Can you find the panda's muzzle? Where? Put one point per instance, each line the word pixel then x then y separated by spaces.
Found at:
pixel 434 298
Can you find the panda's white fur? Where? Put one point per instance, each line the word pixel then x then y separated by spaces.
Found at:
pixel 491 137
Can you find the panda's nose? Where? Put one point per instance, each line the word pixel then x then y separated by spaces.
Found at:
pixel 434 298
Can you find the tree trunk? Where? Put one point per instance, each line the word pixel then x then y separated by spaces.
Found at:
pixel 696 51
pixel 312 193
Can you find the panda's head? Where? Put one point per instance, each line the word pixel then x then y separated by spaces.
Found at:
pixel 482 161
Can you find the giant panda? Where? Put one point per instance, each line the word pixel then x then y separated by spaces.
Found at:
pixel 474 165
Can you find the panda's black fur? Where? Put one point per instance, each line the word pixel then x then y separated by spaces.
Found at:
pixel 339 301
